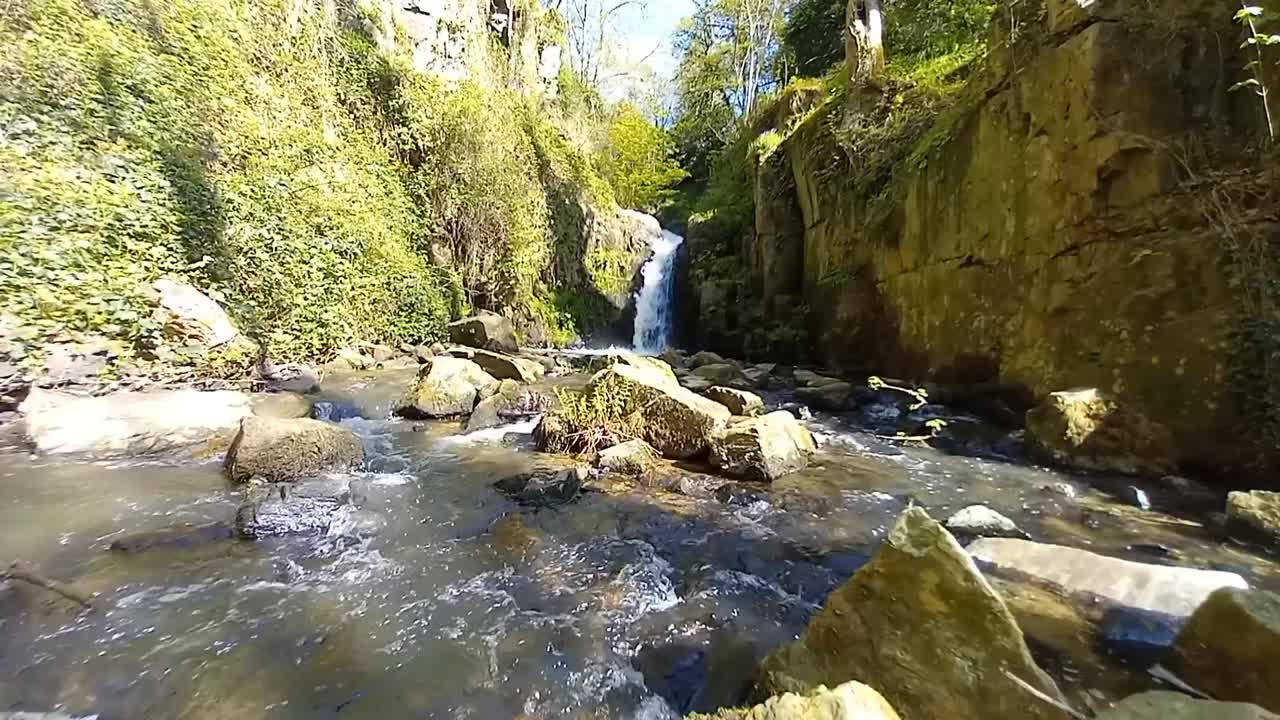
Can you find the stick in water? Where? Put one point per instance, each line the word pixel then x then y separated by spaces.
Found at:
pixel 1045 698
pixel 19 571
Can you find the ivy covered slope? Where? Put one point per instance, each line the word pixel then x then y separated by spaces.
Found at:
pixel 1083 202
pixel 286 157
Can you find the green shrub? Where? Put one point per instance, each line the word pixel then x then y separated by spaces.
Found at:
pixel 605 415
pixel 637 161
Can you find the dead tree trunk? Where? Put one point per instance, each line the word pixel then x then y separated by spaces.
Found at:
pixel 864 43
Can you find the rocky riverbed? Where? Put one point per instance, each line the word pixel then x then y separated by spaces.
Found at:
pixel 393 543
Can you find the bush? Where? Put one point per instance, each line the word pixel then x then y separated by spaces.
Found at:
pixel 637 161
pixel 605 415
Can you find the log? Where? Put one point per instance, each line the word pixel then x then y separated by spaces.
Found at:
pixel 21 571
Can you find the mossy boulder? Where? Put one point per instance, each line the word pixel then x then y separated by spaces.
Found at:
pixel 487 331
pixel 850 701
pixel 448 387
pixel 677 423
pixel 632 457
pixel 279 450
pixel 922 625
pixel 1254 515
pixel 1230 648
pixel 763 448
pixel 1090 430
pixel 506 367
pixel 739 402
pixel 1176 706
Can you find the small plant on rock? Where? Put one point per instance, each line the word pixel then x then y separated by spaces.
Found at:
pixel 1250 16
pixel 605 415
pixel 919 398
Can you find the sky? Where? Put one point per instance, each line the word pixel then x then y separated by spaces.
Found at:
pixel 642 30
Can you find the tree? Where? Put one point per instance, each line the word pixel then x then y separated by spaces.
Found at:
pixel 864 40
pixel 812 37
pixel 637 160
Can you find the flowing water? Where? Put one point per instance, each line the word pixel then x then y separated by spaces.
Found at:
pixel 628 603
pixel 653 300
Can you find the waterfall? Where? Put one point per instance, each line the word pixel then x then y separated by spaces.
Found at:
pixel 654 299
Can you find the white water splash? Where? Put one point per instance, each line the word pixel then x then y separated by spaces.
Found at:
pixel 498 434
pixel 654 300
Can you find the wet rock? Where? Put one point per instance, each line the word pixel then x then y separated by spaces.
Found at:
pixel 808 378
pixel 448 387
pixel 629 458
pixel 1089 430
pixel 757 378
pixel 1061 489
pixel 982 521
pixel 678 423
pixel 353 359
pixel 485 330
pixel 513 536
pixel 289 377
pixel 193 316
pixel 305 508
pixel 675 358
pixel 182 536
pixel 922 625
pixel 850 701
pixel 282 406
pixel 334 411
pixel 832 397
pixel 544 487
pixel 506 367
pixel 1174 591
pixel 739 402
pixel 461 351
pixel 550 433
pixel 1176 706
pixel 1136 637
pixel 699 678
pixel 764 448
pixel 1230 648
pixel 1254 515
pixel 488 414
pixel 130 424
pixel 705 357
pixel 1137 497
pixel 719 374
pixel 378 353
pixel 281 450
pixel 735 494
pixel 695 384
pixel 423 353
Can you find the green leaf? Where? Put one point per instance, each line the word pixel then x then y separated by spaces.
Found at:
pixel 1249 11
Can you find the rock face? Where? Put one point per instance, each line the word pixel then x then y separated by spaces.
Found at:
pixel 632 457
pixel 131 424
pixel 764 448
pixel 1088 429
pixel 307 508
pixel 193 315
pixel 1230 648
pixel 486 331
pixel 739 402
pixel 920 624
pixel 1176 706
pixel 281 450
pixel 448 387
pixel 506 367
pixel 982 521
pixel 850 701
pixel 678 423
pixel 1254 515
pixel 1173 591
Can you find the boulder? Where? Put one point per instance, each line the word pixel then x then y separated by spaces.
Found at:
pixel 1089 430
pixel 506 367
pixel 705 357
pixel 488 414
pixel 353 359
pixel 632 458
pixel 192 315
pixel 1254 515
pixel 764 448
pixel 281 450
pixel 739 402
pixel 305 508
pixel 282 406
pixel 695 384
pixel 77 363
pixel 289 377
pixel 544 487
pixel 423 353
pixel 719 373
pixel 675 358
pixel 550 434
pixel 486 331
pixel 1167 590
pixel 808 378
pixel 1176 706
pixel 982 521
pixel 678 423
pixel 378 353
pixel 756 377
pixel 921 624
pixel 448 387
pixel 832 397
pixel 1230 648
pixel 850 701
pixel 132 423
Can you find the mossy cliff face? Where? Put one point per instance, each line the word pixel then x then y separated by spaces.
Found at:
pixel 1050 229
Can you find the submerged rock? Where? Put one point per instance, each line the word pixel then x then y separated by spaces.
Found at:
pixel 1254 515
pixel 922 625
pixel 448 387
pixel 1089 430
pixel 506 367
pixel 739 402
pixel 1230 648
pixel 544 487
pixel 306 508
pixel 632 458
pixel 1176 706
pixel 280 450
pixel 1175 591
pixel 850 701
pixel 181 536
pixel 982 521
pixel 485 330
pixel 133 423
pixel 677 423
pixel 764 448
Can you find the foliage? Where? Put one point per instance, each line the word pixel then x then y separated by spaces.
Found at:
pixel 1251 17
pixel 921 30
pixel 637 161
pixel 606 414
pixel 813 37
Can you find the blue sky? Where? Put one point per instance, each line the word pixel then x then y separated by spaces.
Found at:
pixel 652 27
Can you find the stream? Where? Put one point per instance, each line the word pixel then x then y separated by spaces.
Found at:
pixel 627 603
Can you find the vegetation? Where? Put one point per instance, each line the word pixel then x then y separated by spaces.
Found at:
pixel 606 414
pixel 637 161
pixel 1251 17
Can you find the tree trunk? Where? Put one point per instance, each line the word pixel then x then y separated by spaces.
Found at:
pixel 864 45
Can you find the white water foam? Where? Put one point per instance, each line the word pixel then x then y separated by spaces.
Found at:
pixel 654 299
pixel 492 435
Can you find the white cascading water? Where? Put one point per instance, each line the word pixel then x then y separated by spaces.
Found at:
pixel 654 300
